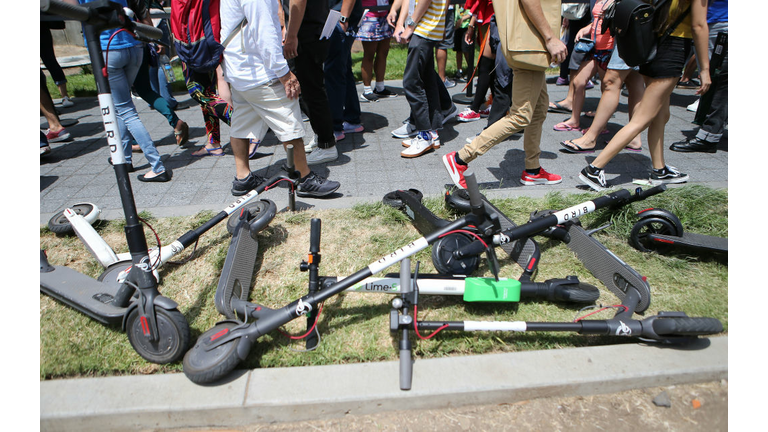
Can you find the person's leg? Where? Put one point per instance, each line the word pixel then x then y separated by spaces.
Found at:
pixel 441 57
pixel 609 101
pixel 48 56
pixel 144 89
pixel 502 99
pixel 352 110
pixel 311 75
pixel 335 78
pixel 651 106
pixel 367 63
pixel 578 85
pixel 56 131
pixel 419 58
pixel 380 63
pixel 122 68
pixel 202 89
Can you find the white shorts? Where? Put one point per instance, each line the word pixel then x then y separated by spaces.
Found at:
pixel 258 109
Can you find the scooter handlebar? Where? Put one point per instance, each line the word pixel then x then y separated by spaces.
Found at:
pixel 88 15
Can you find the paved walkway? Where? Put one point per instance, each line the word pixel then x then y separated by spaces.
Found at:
pixel 369 165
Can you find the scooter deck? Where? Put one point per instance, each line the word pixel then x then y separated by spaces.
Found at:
pixel 693 240
pixel 614 273
pixel 83 293
pixel 237 274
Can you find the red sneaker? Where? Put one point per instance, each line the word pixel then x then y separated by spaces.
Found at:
pixel 484 113
pixel 542 178
pixel 468 115
pixel 455 170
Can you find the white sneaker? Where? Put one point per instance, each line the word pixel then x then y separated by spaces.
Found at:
pixel 311 145
pixel 694 106
pixel 321 155
pixel 66 102
pixel 418 146
pixel 435 141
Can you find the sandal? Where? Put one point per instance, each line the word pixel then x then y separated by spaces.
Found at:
pixel 255 144
pixel 571 147
pixel 555 107
pixel 182 136
pixel 209 152
pixel 636 150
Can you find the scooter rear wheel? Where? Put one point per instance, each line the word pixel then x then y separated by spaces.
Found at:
pixel 173 336
pixel 202 366
pixel 638 238
pixel 254 209
pixel 59 224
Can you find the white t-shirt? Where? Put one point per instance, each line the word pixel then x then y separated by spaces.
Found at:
pixel 255 55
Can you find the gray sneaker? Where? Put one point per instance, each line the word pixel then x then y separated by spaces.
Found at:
pixel 242 187
pixel 316 186
pixel 321 155
pixel 407 130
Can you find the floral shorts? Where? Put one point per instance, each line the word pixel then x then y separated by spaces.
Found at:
pixel 374 29
pixel 602 57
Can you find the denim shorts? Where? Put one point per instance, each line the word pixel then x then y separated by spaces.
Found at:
pixel 617 63
pixel 670 59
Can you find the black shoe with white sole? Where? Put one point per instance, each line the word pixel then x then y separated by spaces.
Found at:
pixel 594 178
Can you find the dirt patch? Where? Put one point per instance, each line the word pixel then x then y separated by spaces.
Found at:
pixel 691 407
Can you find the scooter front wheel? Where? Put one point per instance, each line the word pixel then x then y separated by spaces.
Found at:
pixel 204 366
pixel 172 338
pixel 443 260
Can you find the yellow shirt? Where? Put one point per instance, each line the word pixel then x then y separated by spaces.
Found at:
pixel 683 29
pixel 432 25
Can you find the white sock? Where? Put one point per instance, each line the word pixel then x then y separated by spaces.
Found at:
pixel 367 90
pixel 379 86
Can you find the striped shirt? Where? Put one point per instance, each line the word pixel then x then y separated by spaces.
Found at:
pixel 432 25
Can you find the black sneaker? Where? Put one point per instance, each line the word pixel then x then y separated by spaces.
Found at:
pixel 594 178
pixel 667 175
pixel 368 97
pixel 242 187
pixel 386 93
pixel 316 186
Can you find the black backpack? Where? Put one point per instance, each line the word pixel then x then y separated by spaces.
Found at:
pixel 633 25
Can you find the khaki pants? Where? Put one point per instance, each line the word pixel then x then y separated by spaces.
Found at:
pixel 528 111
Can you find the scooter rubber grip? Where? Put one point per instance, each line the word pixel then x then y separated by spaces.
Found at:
pixel 472 249
pixel 475 199
pixel 65 10
pixel 314 235
pixel 406 369
pixel 641 194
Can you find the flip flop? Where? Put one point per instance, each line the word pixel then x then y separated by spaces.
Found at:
pixel 256 147
pixel 574 148
pixel 636 150
pixel 589 114
pixel 210 152
pixel 555 107
pixel 562 127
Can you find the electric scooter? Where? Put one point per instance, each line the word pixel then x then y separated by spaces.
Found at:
pixel 219 350
pixel 126 292
pixel 614 273
pixel 660 230
pixel 666 328
pixel 155 327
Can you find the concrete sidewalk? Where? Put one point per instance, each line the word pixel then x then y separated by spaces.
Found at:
pixel 324 392
pixel 369 165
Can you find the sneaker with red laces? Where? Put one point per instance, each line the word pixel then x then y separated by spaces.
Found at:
pixel 468 115
pixel 542 178
pixel 455 170
pixel 484 113
pixel 56 136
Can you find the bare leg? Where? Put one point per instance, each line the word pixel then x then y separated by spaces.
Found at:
pixel 367 64
pixel 441 58
pixel 609 101
pixel 655 103
pixel 579 86
pixel 636 88
pixel 380 63
pixel 240 150
pixel 299 157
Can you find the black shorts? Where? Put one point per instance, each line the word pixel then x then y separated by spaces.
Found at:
pixel 670 59
pixel 459 45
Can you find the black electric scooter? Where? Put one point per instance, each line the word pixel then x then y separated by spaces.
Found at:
pixel 614 273
pixel 219 350
pixel 659 229
pixel 664 328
